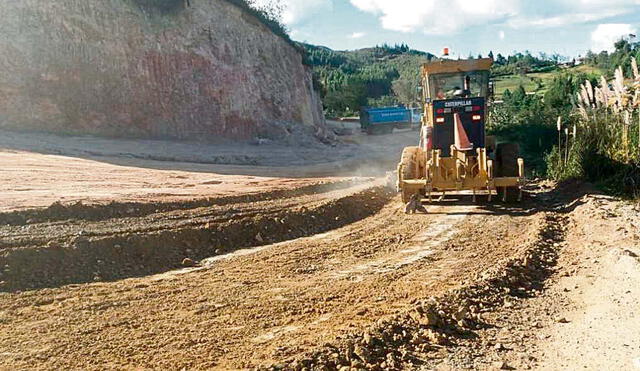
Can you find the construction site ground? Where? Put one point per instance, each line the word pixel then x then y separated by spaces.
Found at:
pixel 162 255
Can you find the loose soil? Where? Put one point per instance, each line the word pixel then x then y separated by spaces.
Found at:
pixel 311 273
pixel 254 309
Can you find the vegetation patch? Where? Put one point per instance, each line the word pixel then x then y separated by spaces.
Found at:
pixel 603 143
pixel 530 119
pixel 380 76
pixel 269 16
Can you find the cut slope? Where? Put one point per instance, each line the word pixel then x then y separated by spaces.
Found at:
pixel 208 70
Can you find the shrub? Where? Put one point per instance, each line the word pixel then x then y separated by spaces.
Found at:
pixel 605 144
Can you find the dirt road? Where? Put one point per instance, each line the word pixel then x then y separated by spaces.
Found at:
pixel 258 307
pixel 315 273
pixel 40 169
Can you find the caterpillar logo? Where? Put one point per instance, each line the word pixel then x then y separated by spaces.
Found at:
pixel 458 103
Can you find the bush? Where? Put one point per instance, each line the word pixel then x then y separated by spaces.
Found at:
pixel 528 121
pixel 598 154
pixel 606 146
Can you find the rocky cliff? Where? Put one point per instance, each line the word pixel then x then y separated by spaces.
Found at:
pixel 184 69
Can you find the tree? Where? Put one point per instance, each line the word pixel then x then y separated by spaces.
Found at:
pixel 383 101
pixel 558 96
pixel 405 90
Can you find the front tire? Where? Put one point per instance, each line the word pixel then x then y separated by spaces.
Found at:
pixel 410 162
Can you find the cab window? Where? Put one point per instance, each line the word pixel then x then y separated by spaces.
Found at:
pixel 451 85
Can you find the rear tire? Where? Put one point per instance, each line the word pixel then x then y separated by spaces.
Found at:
pixel 370 130
pixel 507 158
pixel 409 160
pixel 379 129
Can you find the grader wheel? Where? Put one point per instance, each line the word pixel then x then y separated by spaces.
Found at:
pixel 507 158
pixel 410 162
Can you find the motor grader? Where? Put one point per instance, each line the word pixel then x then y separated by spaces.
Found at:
pixel 454 153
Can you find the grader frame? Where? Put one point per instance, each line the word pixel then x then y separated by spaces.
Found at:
pixel 446 159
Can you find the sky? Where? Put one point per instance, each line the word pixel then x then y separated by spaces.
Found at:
pixel 567 27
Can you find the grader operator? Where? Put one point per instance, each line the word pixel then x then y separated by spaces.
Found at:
pixel 454 153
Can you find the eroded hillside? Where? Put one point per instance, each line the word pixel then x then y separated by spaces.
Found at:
pixel 129 68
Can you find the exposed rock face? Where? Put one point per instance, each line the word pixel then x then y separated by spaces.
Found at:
pixel 197 69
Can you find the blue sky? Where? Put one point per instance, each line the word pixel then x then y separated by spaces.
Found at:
pixel 567 27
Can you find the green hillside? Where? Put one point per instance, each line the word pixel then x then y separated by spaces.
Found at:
pixel 382 75
pixel 388 75
pixel 538 82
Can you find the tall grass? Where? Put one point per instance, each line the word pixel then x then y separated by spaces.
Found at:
pixel 601 142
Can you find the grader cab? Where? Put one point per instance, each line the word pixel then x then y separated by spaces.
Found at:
pixel 454 154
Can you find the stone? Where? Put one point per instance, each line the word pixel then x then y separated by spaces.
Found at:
pixel 367 338
pixel 434 337
pixel 499 365
pixel 187 262
pixel 362 353
pixel 460 314
pixel 426 315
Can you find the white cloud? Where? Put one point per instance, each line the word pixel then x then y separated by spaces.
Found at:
pixel 563 20
pixel 357 35
pixel 604 3
pixel 501 35
pixel 560 13
pixel 605 35
pixel 451 16
pixel 295 11
pixel 435 16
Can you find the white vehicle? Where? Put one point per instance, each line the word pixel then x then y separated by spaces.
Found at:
pixel 416 117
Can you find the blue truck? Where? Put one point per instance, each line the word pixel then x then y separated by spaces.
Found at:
pixel 382 120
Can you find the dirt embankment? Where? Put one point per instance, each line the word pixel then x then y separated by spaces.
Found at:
pixel 201 70
pixel 63 245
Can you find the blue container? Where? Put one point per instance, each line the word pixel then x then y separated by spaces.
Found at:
pixel 384 119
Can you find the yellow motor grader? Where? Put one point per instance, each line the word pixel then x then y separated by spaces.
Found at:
pixel 454 153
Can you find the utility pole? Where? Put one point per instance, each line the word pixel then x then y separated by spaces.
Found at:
pixel 566 157
pixel 559 125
